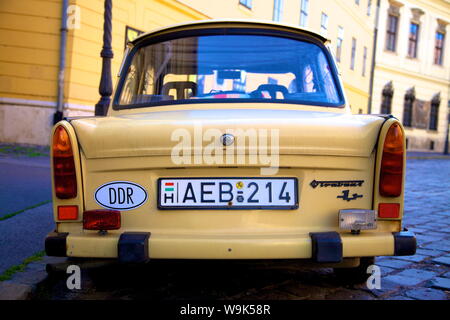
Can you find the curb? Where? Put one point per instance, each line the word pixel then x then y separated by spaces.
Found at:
pixel 427 157
pixel 24 284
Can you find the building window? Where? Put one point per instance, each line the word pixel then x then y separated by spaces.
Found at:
pixel 324 25
pixel 352 61
pixel 413 40
pixel 246 3
pixel 131 34
pixel 277 10
pixel 369 7
pixel 340 40
pixel 386 101
pixel 410 96
pixel 364 62
pixel 434 112
pixel 439 48
pixel 304 13
pixel 391 34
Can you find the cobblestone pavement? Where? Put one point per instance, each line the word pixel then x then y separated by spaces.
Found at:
pixel 425 275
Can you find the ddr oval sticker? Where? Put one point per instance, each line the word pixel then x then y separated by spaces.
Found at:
pixel 120 195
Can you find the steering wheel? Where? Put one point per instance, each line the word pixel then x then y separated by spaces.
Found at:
pixel 272 89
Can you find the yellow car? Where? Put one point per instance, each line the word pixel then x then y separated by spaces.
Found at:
pixel 230 140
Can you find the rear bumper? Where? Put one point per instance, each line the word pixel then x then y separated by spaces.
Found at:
pixel 143 246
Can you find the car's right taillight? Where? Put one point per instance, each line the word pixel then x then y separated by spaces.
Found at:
pixel 391 170
pixel 64 174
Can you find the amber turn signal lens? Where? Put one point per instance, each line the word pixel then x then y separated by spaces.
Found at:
pixel 101 220
pixel 64 174
pixel 67 212
pixel 61 143
pixel 391 171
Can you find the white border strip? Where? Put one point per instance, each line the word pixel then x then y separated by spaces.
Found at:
pixel 44 104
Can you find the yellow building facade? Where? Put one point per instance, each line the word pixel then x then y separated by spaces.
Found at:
pixel 29 57
pixel 30 39
pixel 412 76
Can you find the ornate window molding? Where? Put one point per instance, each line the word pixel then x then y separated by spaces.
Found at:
pixel 434 111
pixel 410 96
pixel 386 101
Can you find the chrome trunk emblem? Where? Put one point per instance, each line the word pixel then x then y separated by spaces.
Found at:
pixel 227 139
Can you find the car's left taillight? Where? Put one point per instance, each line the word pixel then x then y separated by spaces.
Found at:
pixel 64 174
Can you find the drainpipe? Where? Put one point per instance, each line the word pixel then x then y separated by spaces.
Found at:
pixel 374 54
pixel 447 131
pixel 105 88
pixel 62 64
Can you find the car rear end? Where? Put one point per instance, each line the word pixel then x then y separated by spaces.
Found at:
pixel 97 201
pixel 298 179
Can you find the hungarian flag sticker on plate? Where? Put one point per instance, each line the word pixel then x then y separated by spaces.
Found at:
pixel 227 193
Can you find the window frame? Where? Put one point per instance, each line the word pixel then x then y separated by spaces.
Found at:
pixel 339 43
pixel 304 13
pixel 387 95
pixel 412 40
pixel 439 60
pixel 353 54
pixel 246 3
pixel 408 108
pixel 364 66
pixel 157 38
pixel 324 24
pixel 278 7
pixel 434 113
pixel 391 36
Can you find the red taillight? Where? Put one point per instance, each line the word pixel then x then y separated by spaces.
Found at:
pixel 67 212
pixel 391 171
pixel 63 165
pixel 389 210
pixel 101 220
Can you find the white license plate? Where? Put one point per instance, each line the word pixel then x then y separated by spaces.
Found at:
pixel 227 193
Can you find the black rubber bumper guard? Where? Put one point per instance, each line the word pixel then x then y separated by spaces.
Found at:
pixel 133 247
pixel 56 244
pixel 327 246
pixel 405 243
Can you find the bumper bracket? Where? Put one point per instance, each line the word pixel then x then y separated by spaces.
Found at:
pixel 326 247
pixel 56 244
pixel 405 243
pixel 133 247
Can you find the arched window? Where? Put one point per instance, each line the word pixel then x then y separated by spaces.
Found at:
pixel 386 101
pixel 434 111
pixel 410 96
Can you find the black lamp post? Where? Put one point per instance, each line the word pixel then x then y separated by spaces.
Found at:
pixel 105 88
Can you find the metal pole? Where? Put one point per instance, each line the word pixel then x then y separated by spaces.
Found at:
pixel 374 55
pixel 105 88
pixel 58 115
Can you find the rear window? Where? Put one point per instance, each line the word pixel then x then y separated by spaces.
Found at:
pixel 230 68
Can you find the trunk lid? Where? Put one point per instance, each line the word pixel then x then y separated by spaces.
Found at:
pixel 300 132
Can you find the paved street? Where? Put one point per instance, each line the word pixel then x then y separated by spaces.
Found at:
pixel 423 276
pixel 24 183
